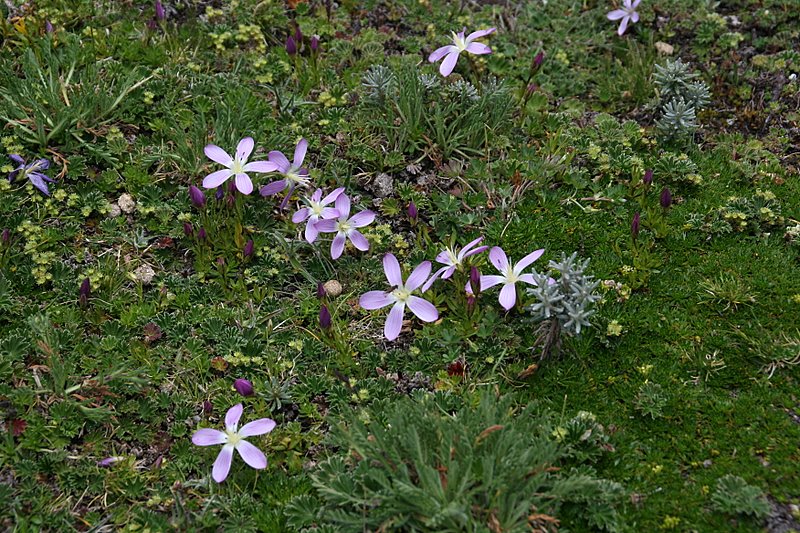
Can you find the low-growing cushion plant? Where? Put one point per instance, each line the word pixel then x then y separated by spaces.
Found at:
pixel 437 463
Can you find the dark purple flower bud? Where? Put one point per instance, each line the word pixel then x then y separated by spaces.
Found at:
pixel 530 89
pixel 208 407
pixel 202 234
pixel 324 318
pixel 666 198
pixel 321 292
pixel 314 44
pixel 5 236
pixel 248 248
pixel 537 61
pixel 243 387
pixel 48 27
pixel 470 303
pixel 635 226
pixel 160 14
pixel 298 35
pixel 412 211
pixel 152 25
pixel 188 230
pixel 196 196
pixel 220 192
pixel 220 261
pixel 648 177
pixel 291 46
pixel 232 186
pixel 230 200
pixel 475 280
pixel 84 293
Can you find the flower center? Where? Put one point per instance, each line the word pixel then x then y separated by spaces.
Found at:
pixel 511 277
pixel 401 294
pixel 344 227
pixel 316 209
pixel 451 256
pixel 233 437
pixel 461 43
pixel 294 175
pixel 237 167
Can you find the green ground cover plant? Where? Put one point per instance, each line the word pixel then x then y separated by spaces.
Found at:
pixel 399 265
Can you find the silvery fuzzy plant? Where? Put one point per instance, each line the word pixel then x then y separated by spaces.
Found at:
pixel 563 304
pixel 681 96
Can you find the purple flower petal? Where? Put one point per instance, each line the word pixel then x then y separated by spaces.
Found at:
pixel 508 296
pixel 300 153
pixel 208 437
pixel 38 181
pixel 528 278
pixel 332 196
pixel 337 246
pixel 465 250
pixel 358 240
pixel 527 260
pixel 245 148
pixel 480 33
pixel 449 272
pixel 449 63
pixel 439 53
pixel 280 161
pixel 273 188
pixel 329 213
pixel 232 416
pixel 218 155
pixel 364 218
pixel 418 276
pixel 424 310
pixel 243 184
pixel 432 279
pixel 490 281
pixel 251 455
pixel 394 322
pixel 300 215
pixel 41 164
pixel 311 232
pixel 223 464
pixel 261 167
pixel 623 25
pixel 257 427
pixel 16 159
pixel 326 226
pixel 215 179
pixel 444 258
pixel 342 205
pixel 498 258
pixel 616 14
pixel 478 49
pixel 392 270
pixel 375 300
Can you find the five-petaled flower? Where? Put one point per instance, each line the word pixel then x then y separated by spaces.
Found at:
pixel 235 166
pixel 452 260
pixel 460 44
pixel 346 226
pixel 294 174
pixel 32 172
pixel 233 439
pixel 400 296
pixel 627 13
pixel 509 275
pixel 317 211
